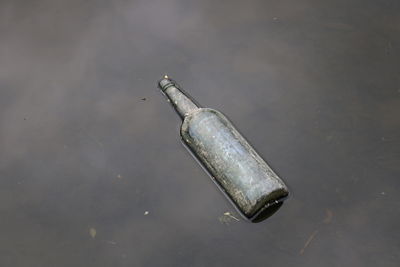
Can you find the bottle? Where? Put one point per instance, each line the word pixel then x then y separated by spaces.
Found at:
pixel 245 178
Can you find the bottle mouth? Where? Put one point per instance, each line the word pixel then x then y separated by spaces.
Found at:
pixel 165 83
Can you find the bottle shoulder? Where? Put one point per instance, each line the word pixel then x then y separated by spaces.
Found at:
pixel 204 112
pixel 201 116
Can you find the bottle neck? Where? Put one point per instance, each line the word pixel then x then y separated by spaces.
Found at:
pixel 182 103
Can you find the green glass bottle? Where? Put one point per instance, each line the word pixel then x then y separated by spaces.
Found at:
pixel 248 181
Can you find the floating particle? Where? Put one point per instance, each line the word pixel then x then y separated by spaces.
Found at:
pixel 92 232
pixel 227 218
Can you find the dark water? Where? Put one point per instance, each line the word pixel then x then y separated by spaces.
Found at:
pixel 88 145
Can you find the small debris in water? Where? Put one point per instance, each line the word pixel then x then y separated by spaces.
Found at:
pixel 119 176
pixel 227 218
pixel 230 215
pixel 146 213
pixel 144 99
pixel 312 236
pixel 92 232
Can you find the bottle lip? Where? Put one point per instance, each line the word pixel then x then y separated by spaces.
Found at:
pixel 165 83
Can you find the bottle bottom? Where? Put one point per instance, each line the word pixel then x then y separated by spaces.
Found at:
pixel 266 213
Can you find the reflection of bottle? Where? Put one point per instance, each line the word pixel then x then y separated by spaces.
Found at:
pixel 229 159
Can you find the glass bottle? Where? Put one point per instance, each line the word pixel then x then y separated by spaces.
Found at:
pixel 244 177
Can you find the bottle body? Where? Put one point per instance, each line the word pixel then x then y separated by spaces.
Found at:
pixel 232 162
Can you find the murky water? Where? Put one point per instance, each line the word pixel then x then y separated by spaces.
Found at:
pixel 92 172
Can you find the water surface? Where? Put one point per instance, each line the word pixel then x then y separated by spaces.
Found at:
pixel 92 172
